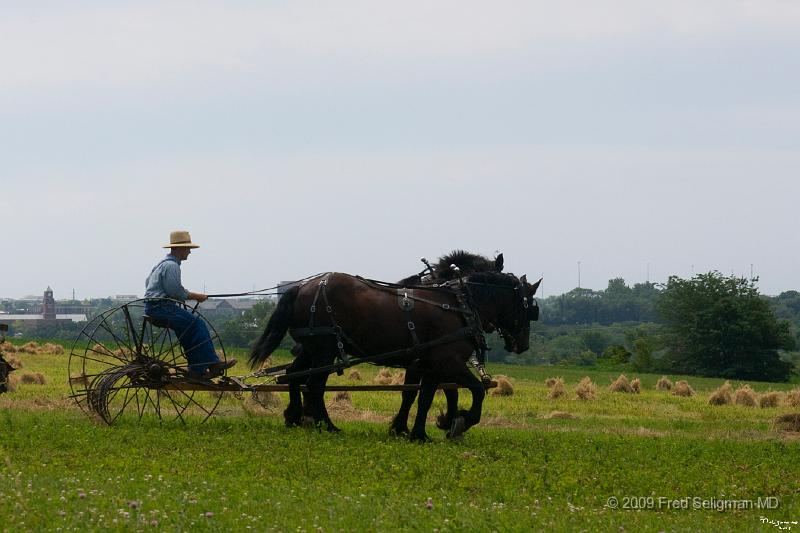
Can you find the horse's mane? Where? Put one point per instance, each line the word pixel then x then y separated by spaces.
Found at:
pixel 466 261
pixel 485 283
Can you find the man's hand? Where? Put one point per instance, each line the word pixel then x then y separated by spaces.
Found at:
pixel 198 297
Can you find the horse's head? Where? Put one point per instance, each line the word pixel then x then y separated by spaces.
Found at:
pixel 509 305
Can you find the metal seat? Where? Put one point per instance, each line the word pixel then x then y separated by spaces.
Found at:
pixel 157 322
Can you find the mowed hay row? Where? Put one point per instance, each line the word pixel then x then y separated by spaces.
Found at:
pixel 33 378
pixel 557 389
pixel 788 422
pixel 793 397
pixel 664 384
pixel 564 415
pixel 745 396
pixel 585 389
pixel 682 388
pixel 621 384
pixel 33 348
pixel 770 399
pixel 722 395
pixel 504 386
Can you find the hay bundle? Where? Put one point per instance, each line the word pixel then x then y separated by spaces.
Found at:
pixel 11 382
pixel 265 399
pixel 8 348
pixel 585 389
pixel 621 384
pixel 745 396
pixel 550 382
pixel 769 399
pixel 99 348
pixel 682 388
pixel 342 396
pixel 15 362
pixel 354 375
pixel 399 378
pixel 79 380
pixel 383 377
pixel 793 397
pixel 636 386
pixel 557 389
pixel 36 378
pixel 29 347
pixel 788 422
pixel 504 386
pixel 341 402
pixel 55 349
pixel 722 395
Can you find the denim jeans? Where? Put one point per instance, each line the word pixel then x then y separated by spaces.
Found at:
pixel 191 331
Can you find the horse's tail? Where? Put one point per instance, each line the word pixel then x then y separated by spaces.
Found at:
pixel 276 328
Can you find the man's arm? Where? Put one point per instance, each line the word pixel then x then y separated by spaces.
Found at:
pixel 197 296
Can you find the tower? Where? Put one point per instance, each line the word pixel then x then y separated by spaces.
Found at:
pixel 49 305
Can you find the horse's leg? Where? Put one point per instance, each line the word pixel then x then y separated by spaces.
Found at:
pixel 316 393
pixel 400 422
pixel 426 393
pixel 467 419
pixel 293 414
pixel 444 421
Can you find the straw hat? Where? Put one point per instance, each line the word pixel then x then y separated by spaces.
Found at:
pixel 180 239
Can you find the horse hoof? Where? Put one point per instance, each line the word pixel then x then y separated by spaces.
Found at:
pixel 308 422
pixel 442 422
pixel 457 429
pixel 420 437
pixel 398 431
pixel 333 429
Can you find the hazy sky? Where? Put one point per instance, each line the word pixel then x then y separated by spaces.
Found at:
pixel 297 137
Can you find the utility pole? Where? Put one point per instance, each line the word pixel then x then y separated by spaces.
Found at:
pixel 751 271
pixel 579 274
pixel 648 272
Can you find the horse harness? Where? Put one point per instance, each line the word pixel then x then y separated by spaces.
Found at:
pixel 406 299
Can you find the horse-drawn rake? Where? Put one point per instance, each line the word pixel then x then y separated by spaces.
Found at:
pixel 126 365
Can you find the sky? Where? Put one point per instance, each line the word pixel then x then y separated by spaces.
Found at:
pixel 641 139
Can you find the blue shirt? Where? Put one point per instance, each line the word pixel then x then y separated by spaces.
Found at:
pixel 164 280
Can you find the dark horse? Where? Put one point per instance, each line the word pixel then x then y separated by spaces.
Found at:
pixel 338 313
pixel 447 268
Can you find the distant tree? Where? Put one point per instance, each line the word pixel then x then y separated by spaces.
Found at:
pixel 596 340
pixel 243 330
pixel 720 326
pixel 617 354
pixel 642 360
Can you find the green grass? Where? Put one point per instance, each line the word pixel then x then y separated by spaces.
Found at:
pixel 518 470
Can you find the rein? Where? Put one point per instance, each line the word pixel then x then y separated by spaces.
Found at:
pixel 265 292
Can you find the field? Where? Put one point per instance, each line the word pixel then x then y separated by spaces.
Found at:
pixel 533 464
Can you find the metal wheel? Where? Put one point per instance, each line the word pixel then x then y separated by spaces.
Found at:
pixel 123 366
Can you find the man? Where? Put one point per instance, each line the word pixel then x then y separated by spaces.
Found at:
pixel 164 281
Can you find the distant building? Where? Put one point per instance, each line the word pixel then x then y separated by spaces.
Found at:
pixel 45 314
pixel 48 305
pixel 233 307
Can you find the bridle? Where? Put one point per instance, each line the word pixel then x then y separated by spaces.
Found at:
pixel 526 309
